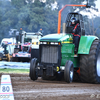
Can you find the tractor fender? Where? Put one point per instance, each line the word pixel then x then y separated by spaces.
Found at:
pixel 85 44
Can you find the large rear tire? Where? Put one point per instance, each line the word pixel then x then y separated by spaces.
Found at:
pixel 90 64
pixel 69 71
pixel 33 71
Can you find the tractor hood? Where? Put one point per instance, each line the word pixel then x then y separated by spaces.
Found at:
pixel 56 38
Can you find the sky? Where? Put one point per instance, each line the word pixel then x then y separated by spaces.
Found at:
pixel 93 12
pixel 98 6
pixel 90 15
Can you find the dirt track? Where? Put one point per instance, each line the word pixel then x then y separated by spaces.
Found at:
pixel 26 89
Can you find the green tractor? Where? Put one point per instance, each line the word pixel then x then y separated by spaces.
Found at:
pixel 57 58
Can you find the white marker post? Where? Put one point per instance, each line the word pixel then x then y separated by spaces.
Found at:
pixel 6 92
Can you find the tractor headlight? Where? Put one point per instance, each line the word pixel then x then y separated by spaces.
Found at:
pixel 51 42
pixel 62 67
pixel 44 42
pixel 55 43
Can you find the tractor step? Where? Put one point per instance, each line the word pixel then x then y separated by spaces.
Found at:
pixel 75 55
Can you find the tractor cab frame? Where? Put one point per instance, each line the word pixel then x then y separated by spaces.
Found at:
pixel 79 18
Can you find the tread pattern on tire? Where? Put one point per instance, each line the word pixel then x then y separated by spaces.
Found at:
pixel 88 62
pixel 32 73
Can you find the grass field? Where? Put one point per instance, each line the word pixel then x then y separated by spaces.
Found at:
pixel 2 70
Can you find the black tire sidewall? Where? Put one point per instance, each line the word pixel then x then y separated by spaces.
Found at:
pixel 97 55
pixel 33 72
pixel 68 66
pixel 88 64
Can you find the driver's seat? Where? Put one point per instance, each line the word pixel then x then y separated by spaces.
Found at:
pixel 79 17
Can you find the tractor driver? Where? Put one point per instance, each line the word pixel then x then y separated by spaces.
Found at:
pixel 76 33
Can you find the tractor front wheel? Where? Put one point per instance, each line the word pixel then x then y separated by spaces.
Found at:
pixel 69 71
pixel 90 64
pixel 33 71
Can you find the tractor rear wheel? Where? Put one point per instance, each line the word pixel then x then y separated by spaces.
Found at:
pixel 33 72
pixel 69 71
pixel 90 64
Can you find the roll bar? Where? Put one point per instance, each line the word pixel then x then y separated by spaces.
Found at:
pixel 59 15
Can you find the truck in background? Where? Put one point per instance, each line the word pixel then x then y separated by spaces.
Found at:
pixel 21 47
pixel 27 47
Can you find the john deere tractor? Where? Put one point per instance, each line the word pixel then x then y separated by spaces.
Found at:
pixel 56 54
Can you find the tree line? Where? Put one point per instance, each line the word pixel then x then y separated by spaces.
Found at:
pixel 32 15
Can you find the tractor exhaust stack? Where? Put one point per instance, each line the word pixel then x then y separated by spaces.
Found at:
pixel 59 15
pixel 64 27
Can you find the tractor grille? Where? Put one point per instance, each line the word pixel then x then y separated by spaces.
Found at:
pixel 49 54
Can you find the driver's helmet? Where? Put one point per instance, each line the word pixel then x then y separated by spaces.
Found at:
pixel 73 19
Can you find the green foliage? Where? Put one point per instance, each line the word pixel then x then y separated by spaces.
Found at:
pixel 28 15
pixel 31 16
pixel 18 3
